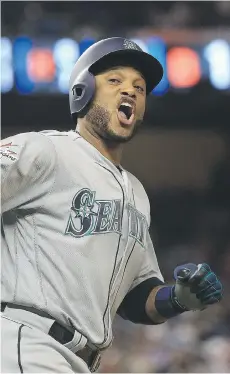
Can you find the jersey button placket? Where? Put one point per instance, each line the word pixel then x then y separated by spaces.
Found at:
pixel 125 235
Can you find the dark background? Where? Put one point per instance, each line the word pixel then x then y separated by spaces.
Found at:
pixel 182 156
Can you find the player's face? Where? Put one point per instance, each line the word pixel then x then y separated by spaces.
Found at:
pixel 119 104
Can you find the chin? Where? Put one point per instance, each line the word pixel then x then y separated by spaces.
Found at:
pixel 123 132
pixel 118 135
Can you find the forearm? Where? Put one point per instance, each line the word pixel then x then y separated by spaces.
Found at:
pixel 150 308
pixel 153 302
pixel 148 303
pixel 133 306
pixel 160 305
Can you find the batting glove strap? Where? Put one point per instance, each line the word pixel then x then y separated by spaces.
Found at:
pixel 167 304
pixel 175 302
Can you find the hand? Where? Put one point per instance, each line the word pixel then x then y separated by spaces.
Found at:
pixel 196 287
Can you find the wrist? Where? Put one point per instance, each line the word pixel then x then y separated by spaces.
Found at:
pixel 175 302
pixel 167 304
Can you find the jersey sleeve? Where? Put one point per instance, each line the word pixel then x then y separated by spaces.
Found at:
pixel 150 267
pixel 133 305
pixel 27 165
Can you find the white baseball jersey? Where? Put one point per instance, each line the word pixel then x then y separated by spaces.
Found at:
pixel 75 234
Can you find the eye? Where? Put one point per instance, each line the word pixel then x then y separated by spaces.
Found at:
pixel 140 89
pixel 114 80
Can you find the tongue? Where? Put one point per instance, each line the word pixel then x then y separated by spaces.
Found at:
pixel 122 114
pixel 123 119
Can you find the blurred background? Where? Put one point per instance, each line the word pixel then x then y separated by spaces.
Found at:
pixel 182 155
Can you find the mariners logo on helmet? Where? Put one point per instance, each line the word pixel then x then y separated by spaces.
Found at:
pixel 128 44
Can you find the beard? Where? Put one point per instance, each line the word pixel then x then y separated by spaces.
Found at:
pixel 99 117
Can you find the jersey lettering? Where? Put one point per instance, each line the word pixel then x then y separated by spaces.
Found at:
pixel 103 217
pixel 90 216
pixel 82 205
pixel 116 217
pixel 137 225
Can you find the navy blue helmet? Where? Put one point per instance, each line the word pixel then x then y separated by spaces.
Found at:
pixel 105 54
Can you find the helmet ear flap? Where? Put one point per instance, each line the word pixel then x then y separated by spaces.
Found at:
pixel 82 91
pixel 78 91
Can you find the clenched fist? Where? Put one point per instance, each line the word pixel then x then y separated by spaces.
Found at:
pixel 197 286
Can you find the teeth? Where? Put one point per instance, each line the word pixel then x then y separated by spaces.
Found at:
pixel 126 104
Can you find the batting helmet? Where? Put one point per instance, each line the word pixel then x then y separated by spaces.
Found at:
pixel 108 53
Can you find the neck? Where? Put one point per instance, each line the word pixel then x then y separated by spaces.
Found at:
pixel 111 150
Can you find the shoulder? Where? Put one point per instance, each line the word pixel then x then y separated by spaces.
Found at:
pixel 31 147
pixel 50 140
pixel 33 140
pixel 40 144
pixel 58 138
pixel 28 138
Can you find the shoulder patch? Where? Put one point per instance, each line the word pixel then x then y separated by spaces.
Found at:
pixel 7 151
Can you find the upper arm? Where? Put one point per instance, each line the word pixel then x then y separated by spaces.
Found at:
pixel 133 306
pixel 149 267
pixel 149 274
pixel 27 162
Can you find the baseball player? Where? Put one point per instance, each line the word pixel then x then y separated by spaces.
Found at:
pixel 76 247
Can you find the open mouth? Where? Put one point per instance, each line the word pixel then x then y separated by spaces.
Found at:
pixel 126 112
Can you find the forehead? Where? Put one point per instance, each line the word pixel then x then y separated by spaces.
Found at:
pixel 124 70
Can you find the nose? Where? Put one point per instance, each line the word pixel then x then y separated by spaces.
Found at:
pixel 129 92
